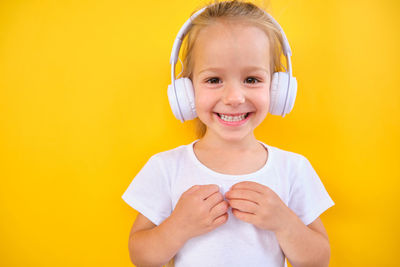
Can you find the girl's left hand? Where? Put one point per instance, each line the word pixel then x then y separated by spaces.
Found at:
pixel 259 205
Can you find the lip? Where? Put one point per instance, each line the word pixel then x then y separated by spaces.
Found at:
pixel 233 114
pixel 233 123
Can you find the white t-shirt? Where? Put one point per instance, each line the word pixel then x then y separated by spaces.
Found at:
pixel 156 189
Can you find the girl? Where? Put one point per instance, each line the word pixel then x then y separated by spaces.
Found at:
pixel 228 199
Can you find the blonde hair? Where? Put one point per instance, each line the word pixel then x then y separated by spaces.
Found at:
pixel 231 10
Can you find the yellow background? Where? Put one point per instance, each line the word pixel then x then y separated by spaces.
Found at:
pixel 83 105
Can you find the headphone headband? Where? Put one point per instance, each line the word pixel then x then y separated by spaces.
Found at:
pixel 185 28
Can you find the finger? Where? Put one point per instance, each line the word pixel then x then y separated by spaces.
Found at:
pixel 244 194
pixel 243 205
pixel 221 220
pixel 219 209
pixel 206 190
pixel 193 189
pixel 244 216
pixel 214 199
pixel 249 185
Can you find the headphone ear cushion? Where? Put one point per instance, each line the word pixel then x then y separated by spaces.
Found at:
pixel 181 99
pixel 278 92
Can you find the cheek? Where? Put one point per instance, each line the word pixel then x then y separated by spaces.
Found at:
pixel 261 98
pixel 204 95
pixel 202 101
pixel 265 99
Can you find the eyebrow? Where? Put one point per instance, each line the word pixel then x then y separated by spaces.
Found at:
pixel 249 68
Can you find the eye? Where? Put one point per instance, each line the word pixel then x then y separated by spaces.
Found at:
pixel 213 80
pixel 252 80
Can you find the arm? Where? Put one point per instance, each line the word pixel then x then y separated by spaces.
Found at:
pixel 151 245
pixel 305 245
pixel 198 211
pixel 259 205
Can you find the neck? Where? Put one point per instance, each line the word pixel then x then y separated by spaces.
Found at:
pixel 216 143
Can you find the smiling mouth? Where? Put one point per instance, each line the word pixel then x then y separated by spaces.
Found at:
pixel 233 117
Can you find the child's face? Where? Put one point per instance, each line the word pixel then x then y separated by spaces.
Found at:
pixel 231 76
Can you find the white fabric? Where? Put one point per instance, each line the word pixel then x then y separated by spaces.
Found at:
pixel 156 189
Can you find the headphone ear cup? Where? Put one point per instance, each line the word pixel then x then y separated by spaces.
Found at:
pixel 282 93
pixel 181 99
pixel 292 94
pixel 275 105
pixel 173 102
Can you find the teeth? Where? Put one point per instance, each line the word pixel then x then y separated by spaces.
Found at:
pixel 232 118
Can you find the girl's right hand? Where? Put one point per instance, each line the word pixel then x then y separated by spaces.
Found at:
pixel 199 210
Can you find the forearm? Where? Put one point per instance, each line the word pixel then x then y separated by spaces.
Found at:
pixel 155 247
pixel 302 246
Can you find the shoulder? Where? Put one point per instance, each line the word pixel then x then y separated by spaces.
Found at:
pixel 296 167
pixel 162 166
pixel 286 159
pixel 171 156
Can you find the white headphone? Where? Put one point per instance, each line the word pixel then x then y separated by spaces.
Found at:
pixel 181 94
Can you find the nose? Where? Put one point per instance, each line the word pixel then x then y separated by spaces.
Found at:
pixel 233 95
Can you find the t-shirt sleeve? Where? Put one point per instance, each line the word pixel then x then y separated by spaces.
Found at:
pixel 308 196
pixel 149 192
